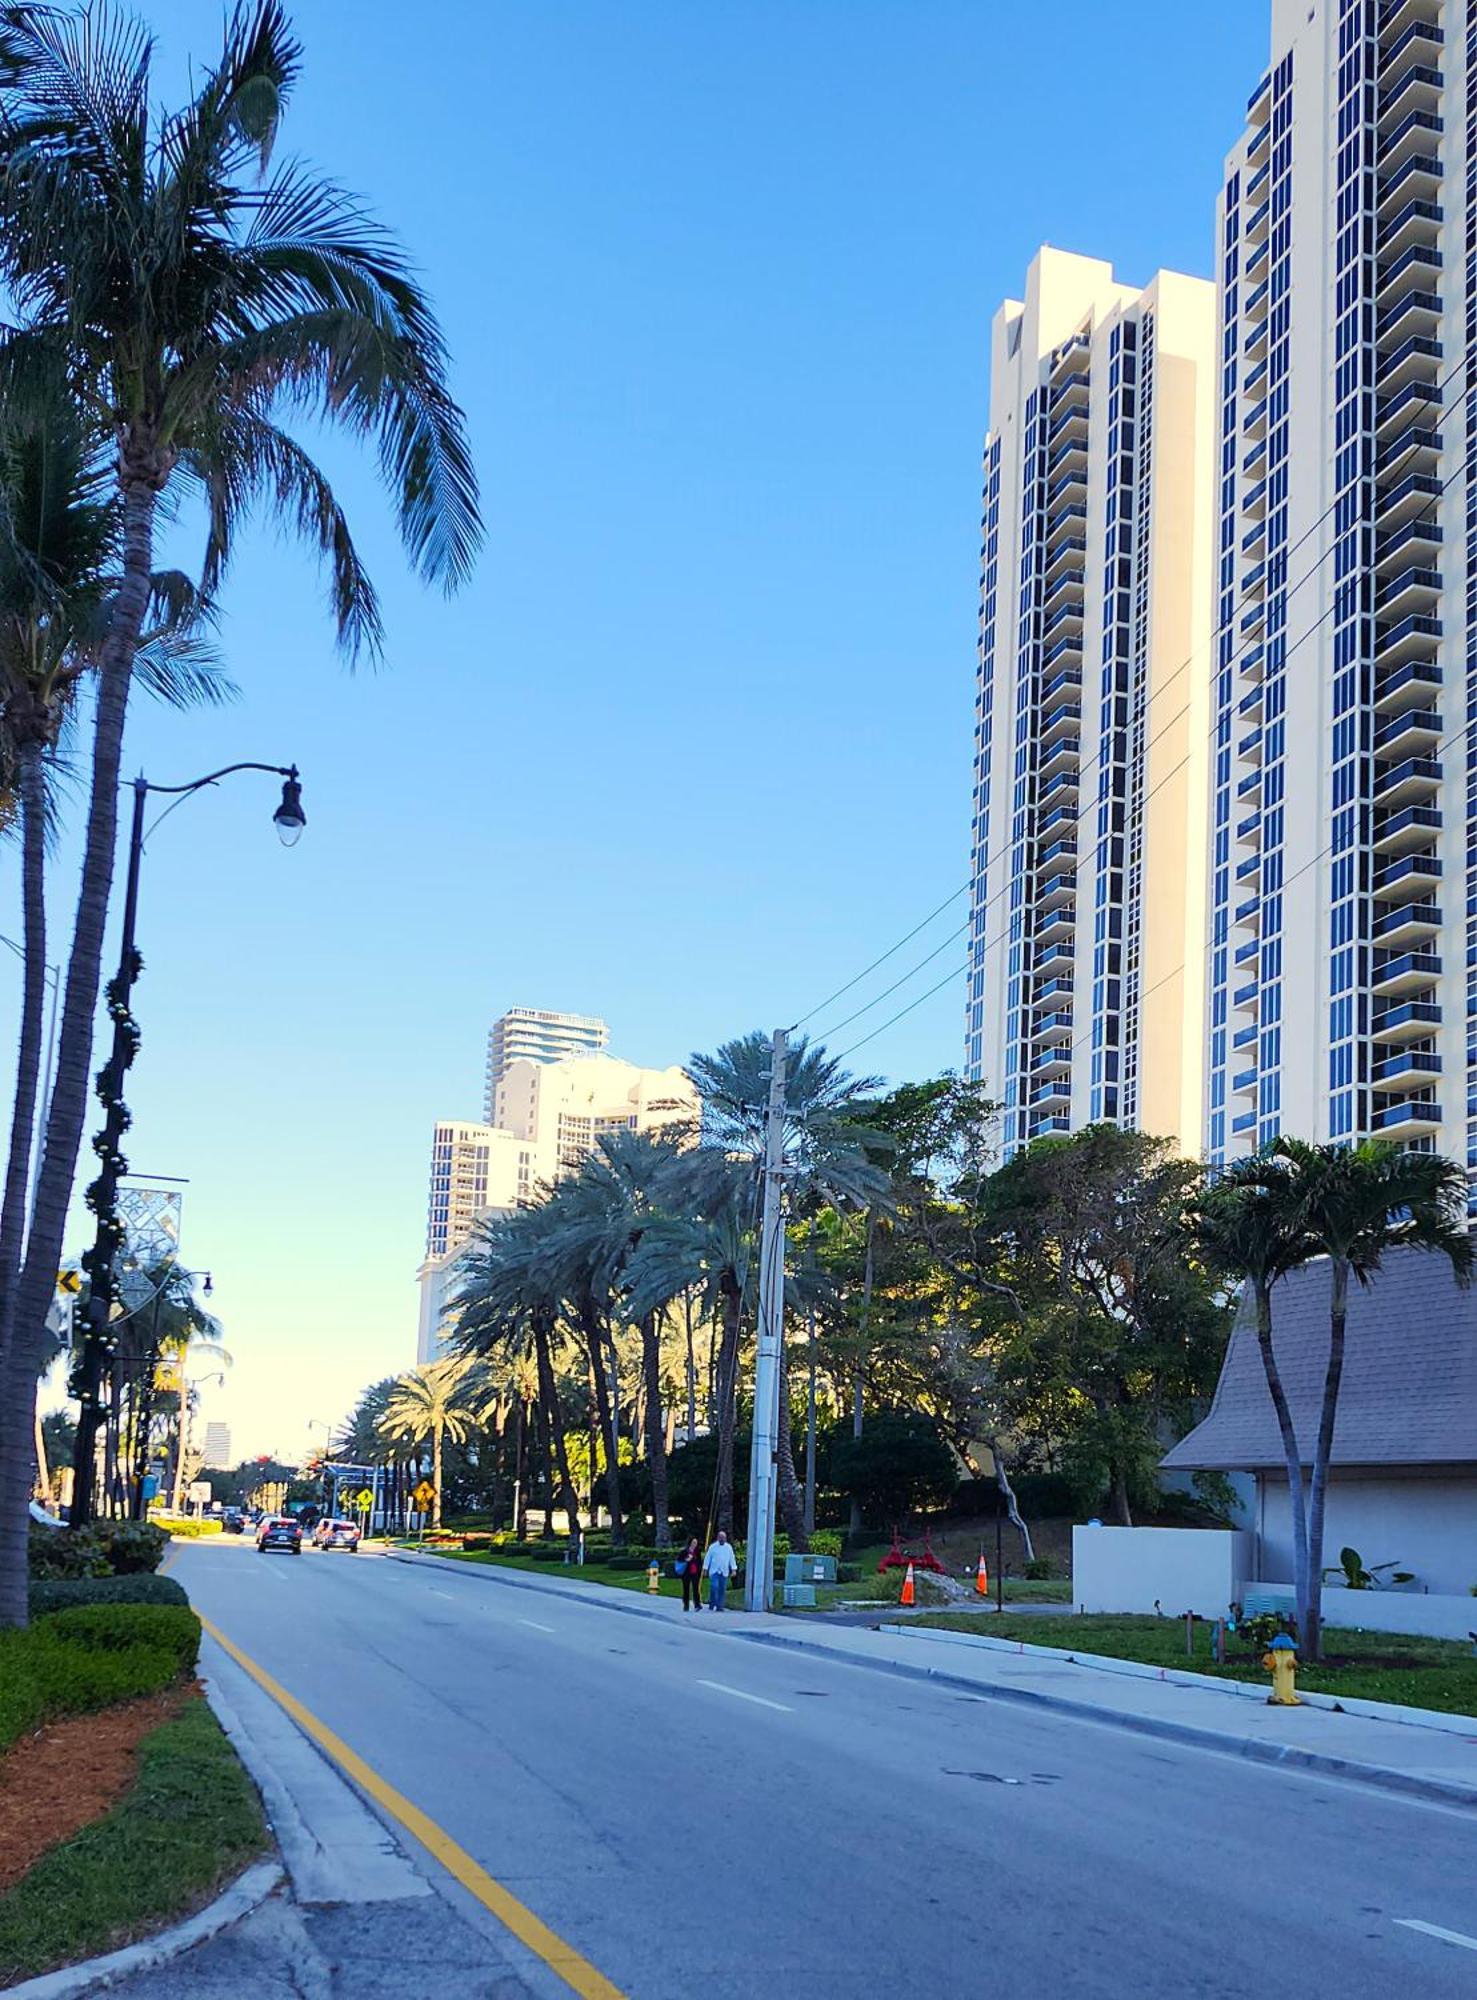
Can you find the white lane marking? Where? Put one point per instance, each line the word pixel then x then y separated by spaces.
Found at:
pixel 535 1624
pixel 1436 1931
pixel 443 1593
pixel 739 1695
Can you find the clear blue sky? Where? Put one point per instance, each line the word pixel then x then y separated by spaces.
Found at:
pixel 695 745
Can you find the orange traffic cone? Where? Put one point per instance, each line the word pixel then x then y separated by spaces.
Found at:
pixel 908 1592
pixel 982 1579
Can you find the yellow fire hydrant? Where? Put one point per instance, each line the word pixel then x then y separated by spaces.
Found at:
pixel 653 1579
pixel 1281 1662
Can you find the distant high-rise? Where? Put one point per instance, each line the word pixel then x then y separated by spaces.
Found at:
pixel 533 1035
pixel 217 1446
pixel 1087 959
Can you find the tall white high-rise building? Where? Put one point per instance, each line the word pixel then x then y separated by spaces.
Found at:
pixel 1343 893
pixel 532 1034
pixel 217 1451
pixel 1086 980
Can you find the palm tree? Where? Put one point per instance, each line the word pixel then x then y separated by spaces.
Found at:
pixel 1357 1203
pixel 508 1300
pixel 199 302
pixel 437 1402
pixel 59 558
pixel 1249 1223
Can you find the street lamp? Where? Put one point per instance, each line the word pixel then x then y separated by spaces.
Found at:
pixel 99 1343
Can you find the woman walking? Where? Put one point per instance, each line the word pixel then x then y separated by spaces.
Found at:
pixel 690 1569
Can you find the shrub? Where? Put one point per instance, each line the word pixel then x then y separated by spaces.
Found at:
pixel 89 1657
pixel 1041 1569
pixel 106 1548
pixel 184 1527
pixel 826 1542
pixel 66 1592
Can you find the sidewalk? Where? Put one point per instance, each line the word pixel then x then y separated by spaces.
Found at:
pixel 1415 1751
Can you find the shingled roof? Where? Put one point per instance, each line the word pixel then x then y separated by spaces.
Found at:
pixel 1409 1391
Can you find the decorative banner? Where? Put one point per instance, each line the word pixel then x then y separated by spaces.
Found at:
pixel 151 1223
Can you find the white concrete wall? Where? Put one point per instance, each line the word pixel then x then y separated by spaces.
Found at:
pixel 1431 1617
pixel 1177 1569
pixel 1425 1524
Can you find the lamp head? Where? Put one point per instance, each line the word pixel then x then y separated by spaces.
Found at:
pixel 289 818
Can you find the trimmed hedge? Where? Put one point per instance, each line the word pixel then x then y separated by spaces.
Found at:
pixel 184 1527
pixel 107 1548
pixel 71 1662
pixel 67 1592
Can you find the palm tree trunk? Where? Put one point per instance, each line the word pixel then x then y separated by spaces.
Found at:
pixel 1310 1636
pixel 791 1499
pixel 23 1310
pixel 549 1393
pixel 869 1276
pixel 31 785
pixel 728 1353
pixel 656 1443
pixel 436 1471
pixel 1306 1609
pixel 691 1369
pixel 594 1336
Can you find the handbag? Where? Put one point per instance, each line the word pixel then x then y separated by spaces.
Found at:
pixel 679 1569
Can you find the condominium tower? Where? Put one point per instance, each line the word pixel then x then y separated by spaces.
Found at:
pixel 1087 942
pixel 1343 975
pixel 532 1034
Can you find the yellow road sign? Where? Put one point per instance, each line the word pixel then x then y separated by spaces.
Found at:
pixel 364 1499
pixel 424 1494
pixel 69 1281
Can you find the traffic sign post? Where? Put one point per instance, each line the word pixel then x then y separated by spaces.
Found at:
pixel 424 1496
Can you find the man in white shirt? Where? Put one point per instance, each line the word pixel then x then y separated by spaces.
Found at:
pixel 719 1565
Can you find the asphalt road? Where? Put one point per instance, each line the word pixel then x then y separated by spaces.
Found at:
pixel 701 1815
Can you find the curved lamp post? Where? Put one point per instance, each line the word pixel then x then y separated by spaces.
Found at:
pixel 100 1340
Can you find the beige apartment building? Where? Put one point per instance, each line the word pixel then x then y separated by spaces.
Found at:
pixel 1087 944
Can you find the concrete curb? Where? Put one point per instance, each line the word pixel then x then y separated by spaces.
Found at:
pixel 1223 1742
pixel 247 1893
pixel 599 1594
pixel 1376 1711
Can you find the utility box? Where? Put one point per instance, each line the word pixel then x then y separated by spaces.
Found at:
pixel 810 1569
pixel 798 1594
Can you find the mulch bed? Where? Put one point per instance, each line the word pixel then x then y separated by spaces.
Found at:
pixel 70 1773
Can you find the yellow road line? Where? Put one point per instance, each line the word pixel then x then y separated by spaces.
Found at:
pixel 576 1972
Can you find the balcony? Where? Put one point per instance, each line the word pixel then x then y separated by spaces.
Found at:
pixel 1255 579
pixel 1401 832
pixel 1401 502
pixel 1055 1062
pixel 1067 617
pixel 1071 488
pixel 1249 869
pixel 1249 914
pixel 1416 222
pixel 1064 786
pixel 1412 1118
pixel 1067 464
pixel 1249 708
pixel 1249 830
pixel 1254 229
pixel 1250 746
pixel 1064 719
pixel 1416 135
pixel 1256 258
pixel 1252 661
pixel 1059 817
pixel 1058 1091
pixel 1417 400
pixel 1245 1123
pixel 1254 347
pixel 1418 83
pixel 1417 542
pixel 1059 850
pixel 1059 756
pixel 1402 22
pixel 1045 1128
pixel 1417 729
pixel 1246 954
pixel 1068 423
pixel 1255 462
pixel 1250 786
pixel 1409 972
pixel 1412 1022
pixel 1069 646
pixel 1416 875
pixel 1401 639
pixel 1414 588
pixel 1412 924
pixel 1055 958
pixel 1065 521
pixel 1058 890
pixel 1244 1082
pixel 1245 1038
pixel 1067 558
pixel 1254 422
pixel 1259 104
pixel 1065 683
pixel 1051 1025
pixel 1417 448
pixel 1254 540
pixel 1406 1070
pixel 1071 391
pixel 1413 780
pixel 1416 311
pixel 1056 926
pixel 1246 996
pixel 1074 348
pixel 1420 260
pixel 1054 990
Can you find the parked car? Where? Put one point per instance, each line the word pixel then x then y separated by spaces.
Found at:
pixel 280 1531
pixel 336 1533
pixel 233 1521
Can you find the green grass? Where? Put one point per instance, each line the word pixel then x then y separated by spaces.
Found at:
pixel 1431 1673
pixel 591 1572
pixel 189 1823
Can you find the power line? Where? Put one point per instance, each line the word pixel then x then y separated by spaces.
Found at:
pixel 888 991
pixel 891 950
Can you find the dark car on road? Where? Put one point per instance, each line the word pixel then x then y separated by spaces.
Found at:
pixel 332 1533
pixel 280 1531
pixel 234 1521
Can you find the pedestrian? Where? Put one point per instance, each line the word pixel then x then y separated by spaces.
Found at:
pixel 720 1563
pixel 690 1569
